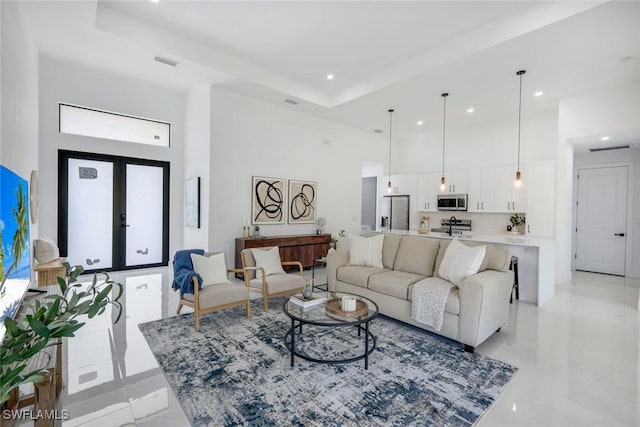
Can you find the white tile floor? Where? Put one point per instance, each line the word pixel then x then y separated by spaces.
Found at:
pixel 578 358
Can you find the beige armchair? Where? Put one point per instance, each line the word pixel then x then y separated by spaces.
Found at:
pixel 215 297
pixel 272 285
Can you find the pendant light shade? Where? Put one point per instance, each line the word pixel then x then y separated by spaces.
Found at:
pixel 444 128
pixel 390 129
pixel 518 182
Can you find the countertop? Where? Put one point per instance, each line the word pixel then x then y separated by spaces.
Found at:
pixel 482 237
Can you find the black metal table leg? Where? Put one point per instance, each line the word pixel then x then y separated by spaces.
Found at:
pixel 366 345
pixel 293 330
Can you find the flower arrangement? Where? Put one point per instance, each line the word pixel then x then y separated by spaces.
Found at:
pixel 424 221
pixel 335 237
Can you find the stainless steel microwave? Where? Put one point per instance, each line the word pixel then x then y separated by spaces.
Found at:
pixel 452 202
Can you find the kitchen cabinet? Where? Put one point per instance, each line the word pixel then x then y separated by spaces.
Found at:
pixel 428 185
pixel 406 184
pixel 456 182
pixel 508 197
pixel 540 180
pixel 482 190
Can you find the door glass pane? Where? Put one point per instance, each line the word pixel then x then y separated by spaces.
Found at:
pixel 144 215
pixel 90 210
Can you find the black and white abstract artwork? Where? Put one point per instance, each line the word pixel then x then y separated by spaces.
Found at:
pixel 268 200
pixel 302 202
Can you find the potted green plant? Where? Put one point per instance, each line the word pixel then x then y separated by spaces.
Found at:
pixel 256 231
pixel 517 223
pixel 56 316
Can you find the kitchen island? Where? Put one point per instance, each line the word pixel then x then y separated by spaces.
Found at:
pixel 536 259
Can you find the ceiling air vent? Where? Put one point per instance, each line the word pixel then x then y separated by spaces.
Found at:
pixel 165 61
pixel 617 147
pixel 291 101
pixel 378 131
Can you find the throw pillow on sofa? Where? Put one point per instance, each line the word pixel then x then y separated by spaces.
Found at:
pixel 269 260
pixel 366 251
pixel 460 261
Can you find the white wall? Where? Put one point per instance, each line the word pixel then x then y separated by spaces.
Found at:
pixel 19 94
pixel 485 145
pixel 76 84
pixel 197 154
pixel 619 157
pixel 250 137
pixel 608 111
pixel 19 106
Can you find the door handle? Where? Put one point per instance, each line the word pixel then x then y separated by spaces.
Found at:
pixel 477 206
pixel 482 204
pixel 619 234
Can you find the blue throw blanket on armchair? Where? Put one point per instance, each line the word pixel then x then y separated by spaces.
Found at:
pixel 183 271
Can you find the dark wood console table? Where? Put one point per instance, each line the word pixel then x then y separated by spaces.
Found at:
pixel 301 247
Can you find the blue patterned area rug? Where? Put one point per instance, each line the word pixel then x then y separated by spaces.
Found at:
pixel 237 371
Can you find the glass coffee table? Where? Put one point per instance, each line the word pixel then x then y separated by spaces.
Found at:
pixel 318 317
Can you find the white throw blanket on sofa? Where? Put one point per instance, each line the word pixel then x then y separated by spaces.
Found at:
pixel 429 299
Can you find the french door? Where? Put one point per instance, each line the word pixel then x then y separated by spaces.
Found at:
pixel 113 212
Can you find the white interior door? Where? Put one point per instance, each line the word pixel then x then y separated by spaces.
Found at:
pixel 602 219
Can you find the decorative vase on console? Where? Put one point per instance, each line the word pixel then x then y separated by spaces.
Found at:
pixel 335 238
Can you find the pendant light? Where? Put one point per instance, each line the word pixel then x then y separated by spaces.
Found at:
pixel 444 126
pixel 518 182
pixel 390 127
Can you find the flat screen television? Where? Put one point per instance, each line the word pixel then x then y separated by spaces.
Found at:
pixel 15 259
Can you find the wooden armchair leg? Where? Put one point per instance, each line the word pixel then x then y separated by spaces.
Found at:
pixel 248 309
pixel 179 308
pixel 265 304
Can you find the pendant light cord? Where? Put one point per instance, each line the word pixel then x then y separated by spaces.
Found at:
pixel 520 73
pixel 444 126
pixel 390 128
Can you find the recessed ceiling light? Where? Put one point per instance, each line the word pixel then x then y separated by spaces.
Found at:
pixel 605 138
pixel 471 110
pixel 538 93
pixel 154 1
pixel 419 123
pixel 329 76
pixel 166 61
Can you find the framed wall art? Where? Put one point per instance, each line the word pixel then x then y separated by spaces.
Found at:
pixel 192 202
pixel 302 202
pixel 268 197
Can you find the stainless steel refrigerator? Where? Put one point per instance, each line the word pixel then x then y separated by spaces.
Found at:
pixel 399 212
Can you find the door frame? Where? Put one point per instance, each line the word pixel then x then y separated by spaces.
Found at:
pixel 119 205
pixel 628 265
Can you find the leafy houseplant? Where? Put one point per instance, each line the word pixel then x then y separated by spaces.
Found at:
pixel 517 221
pixel 57 317
pixel 256 230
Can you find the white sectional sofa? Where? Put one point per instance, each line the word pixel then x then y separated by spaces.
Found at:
pixel 474 310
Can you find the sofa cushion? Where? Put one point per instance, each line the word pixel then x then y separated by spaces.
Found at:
pixel 358 275
pixel 496 258
pixel 453 300
pixel 390 249
pixel 417 255
pixel 394 283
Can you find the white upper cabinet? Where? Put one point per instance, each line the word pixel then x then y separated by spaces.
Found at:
pixel 508 197
pixel 482 190
pixel 456 182
pixel 540 180
pixel 428 185
pixel 406 184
